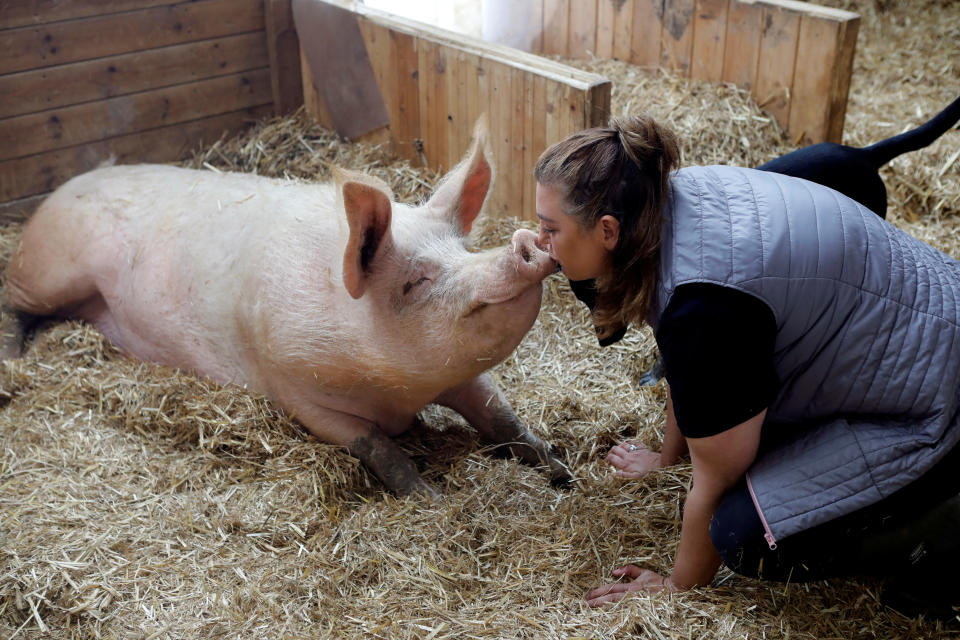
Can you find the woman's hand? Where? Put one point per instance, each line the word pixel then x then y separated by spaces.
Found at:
pixel 643 580
pixel 633 460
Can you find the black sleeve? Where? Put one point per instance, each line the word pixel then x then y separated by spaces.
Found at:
pixel 586 292
pixel 717 345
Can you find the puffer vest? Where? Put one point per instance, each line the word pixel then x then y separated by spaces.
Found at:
pixel 868 335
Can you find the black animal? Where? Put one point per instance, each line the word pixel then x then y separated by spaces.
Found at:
pixel 853 171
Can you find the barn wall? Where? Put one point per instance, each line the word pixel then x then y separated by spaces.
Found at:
pixel 435 84
pixel 795 58
pixel 136 80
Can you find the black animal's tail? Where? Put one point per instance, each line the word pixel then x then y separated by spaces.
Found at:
pixel 886 150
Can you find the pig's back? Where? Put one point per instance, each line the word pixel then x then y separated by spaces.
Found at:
pixel 181 257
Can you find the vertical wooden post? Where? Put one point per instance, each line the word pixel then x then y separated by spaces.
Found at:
pixel 709 40
pixel 645 43
pixel 676 38
pixel 283 48
pixel 778 59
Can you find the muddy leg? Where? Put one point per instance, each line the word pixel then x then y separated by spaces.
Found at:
pixel 482 404
pixel 394 468
pixel 364 440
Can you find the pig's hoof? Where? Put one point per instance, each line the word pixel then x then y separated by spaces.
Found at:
pixel 9 353
pixel 421 488
pixel 560 476
pixel 12 333
pixel 11 347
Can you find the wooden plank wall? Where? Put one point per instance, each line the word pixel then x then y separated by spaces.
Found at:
pixel 138 80
pixel 795 57
pixel 436 84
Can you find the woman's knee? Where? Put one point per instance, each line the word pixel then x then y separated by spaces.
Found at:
pixel 737 533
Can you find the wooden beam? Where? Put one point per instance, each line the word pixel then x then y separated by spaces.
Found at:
pixel 778 59
pixel 582 35
pixel 64 85
pixel 333 44
pixel 556 27
pixel 283 49
pixel 84 39
pixel 709 39
pixel 23 13
pixel 89 122
pixel 43 172
pixel 820 87
pixel 647 25
pixel 436 83
pixel 622 30
pixel 755 44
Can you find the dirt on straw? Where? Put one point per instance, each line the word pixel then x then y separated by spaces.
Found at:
pixel 142 502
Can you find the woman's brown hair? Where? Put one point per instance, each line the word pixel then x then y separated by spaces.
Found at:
pixel 621 170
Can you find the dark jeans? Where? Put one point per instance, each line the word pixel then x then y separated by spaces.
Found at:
pixel 881 539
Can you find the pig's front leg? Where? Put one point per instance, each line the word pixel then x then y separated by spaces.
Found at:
pixel 482 404
pixel 364 440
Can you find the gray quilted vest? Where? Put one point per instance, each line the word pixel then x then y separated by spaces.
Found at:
pixel 867 348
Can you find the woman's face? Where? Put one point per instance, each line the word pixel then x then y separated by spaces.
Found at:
pixel 583 254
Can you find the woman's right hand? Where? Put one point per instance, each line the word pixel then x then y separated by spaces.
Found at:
pixel 633 460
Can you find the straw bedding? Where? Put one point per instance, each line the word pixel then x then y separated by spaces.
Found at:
pixel 141 502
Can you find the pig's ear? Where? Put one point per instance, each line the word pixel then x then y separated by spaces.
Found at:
pixel 461 195
pixel 368 210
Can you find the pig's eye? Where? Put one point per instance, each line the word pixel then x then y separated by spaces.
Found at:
pixel 410 285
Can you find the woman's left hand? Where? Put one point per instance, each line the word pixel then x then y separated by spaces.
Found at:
pixel 643 580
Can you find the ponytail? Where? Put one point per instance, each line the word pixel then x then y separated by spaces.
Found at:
pixel 622 170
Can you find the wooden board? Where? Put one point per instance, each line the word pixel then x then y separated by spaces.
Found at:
pixel 647 27
pixel 53 87
pixel 583 29
pixel 22 13
pixel 283 50
pixel 709 40
pixel 622 30
pixel 755 44
pixel 43 172
pixel 606 21
pixel 556 27
pixel 138 80
pixel 56 43
pixel 778 59
pixel 676 38
pixel 436 84
pixel 820 97
pixel 742 49
pixel 334 46
pixel 82 123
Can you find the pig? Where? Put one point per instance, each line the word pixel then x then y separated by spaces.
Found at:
pixel 348 310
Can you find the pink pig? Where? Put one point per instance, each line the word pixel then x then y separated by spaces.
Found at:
pixel 350 311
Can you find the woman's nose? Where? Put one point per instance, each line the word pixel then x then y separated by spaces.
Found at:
pixel 543 240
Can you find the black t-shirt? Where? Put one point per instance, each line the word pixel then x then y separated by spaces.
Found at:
pixel 717 346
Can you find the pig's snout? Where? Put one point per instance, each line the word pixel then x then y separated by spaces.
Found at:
pixel 532 262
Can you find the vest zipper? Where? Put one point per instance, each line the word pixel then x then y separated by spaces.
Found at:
pixel 768 536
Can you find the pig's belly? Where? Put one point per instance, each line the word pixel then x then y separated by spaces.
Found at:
pixel 166 329
pixel 143 340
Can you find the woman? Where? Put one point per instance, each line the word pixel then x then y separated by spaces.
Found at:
pixel 812 353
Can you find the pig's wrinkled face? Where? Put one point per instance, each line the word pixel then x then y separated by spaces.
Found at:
pixel 458 308
pixel 440 312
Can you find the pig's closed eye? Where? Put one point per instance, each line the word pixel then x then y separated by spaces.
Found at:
pixel 410 285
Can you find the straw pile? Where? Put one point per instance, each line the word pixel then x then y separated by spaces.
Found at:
pixel 141 502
